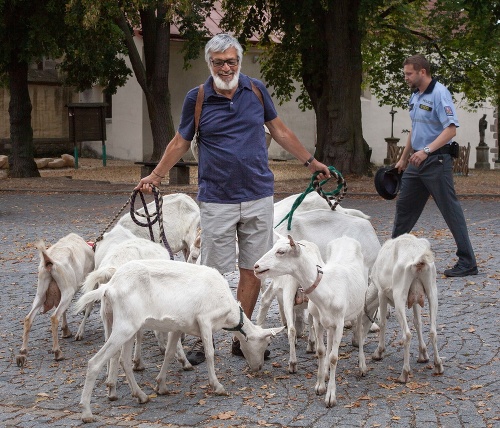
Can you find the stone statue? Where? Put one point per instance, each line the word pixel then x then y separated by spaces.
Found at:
pixel 483 124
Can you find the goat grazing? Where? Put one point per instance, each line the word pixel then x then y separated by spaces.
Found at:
pixel 181 220
pixel 169 296
pixel 62 268
pixel 118 255
pixel 404 274
pixel 337 294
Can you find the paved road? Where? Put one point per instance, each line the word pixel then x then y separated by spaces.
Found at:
pixel 46 393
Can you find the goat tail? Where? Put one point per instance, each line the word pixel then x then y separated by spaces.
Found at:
pixel 97 277
pixel 90 297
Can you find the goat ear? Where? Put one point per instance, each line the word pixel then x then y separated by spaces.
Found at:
pixel 270 332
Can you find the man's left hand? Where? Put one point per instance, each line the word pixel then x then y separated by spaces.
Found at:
pixel 418 157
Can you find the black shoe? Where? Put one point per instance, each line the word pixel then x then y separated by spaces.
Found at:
pixel 236 350
pixel 196 355
pixel 457 270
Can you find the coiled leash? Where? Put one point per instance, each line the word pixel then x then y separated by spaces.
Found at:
pixel 151 219
pixel 336 195
pixel 157 217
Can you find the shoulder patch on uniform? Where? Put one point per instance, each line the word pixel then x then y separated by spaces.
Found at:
pixel 448 110
pixel 411 107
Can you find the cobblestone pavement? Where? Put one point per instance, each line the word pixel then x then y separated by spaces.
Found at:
pixel 46 393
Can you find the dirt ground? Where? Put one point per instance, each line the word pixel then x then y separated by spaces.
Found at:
pixel 291 177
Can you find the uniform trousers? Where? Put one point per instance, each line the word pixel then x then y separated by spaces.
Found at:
pixel 433 178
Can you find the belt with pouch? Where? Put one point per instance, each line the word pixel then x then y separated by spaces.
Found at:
pixel 445 150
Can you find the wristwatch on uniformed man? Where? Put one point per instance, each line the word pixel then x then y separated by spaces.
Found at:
pixel 427 151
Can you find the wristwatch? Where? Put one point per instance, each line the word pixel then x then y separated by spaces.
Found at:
pixel 427 151
pixel 308 161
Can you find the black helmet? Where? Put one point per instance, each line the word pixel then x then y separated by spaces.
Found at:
pixel 388 181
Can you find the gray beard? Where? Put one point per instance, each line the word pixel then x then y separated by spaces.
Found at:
pixel 220 84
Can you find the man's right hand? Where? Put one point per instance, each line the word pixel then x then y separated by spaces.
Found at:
pixel 145 184
pixel 401 165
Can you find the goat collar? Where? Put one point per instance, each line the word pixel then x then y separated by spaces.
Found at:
pixel 239 327
pixel 315 284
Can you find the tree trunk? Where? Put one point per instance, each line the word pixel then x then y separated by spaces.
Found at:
pixel 160 113
pixel 337 101
pixel 21 162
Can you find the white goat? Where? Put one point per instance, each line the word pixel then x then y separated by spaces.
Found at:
pixel 118 255
pixel 312 201
pixel 62 268
pixel 404 273
pixel 337 294
pixel 181 220
pixel 318 226
pixel 170 296
pixel 111 240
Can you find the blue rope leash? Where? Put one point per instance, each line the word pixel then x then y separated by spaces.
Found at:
pixel 337 194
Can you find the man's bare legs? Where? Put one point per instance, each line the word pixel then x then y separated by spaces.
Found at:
pixel 248 291
pixel 247 294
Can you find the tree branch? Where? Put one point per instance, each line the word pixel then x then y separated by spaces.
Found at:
pixel 135 58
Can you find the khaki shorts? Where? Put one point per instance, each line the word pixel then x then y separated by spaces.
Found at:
pixel 251 222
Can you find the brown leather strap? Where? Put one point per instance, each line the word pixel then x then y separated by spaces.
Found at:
pixel 197 109
pixel 257 92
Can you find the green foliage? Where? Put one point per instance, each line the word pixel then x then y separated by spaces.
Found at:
pixel 30 29
pixel 94 52
pixel 190 19
pixel 461 38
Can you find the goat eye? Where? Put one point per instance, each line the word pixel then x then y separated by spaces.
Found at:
pixel 280 252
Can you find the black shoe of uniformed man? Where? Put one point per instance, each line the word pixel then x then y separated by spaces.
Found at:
pixel 457 271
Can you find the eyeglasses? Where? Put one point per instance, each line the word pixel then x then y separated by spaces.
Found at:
pixel 218 63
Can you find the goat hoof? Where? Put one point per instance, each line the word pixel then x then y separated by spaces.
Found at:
pixel 438 368
pixel 21 360
pixel 138 367
pixel 58 355
pixel 142 398
pixel 292 367
pixel 330 402
pixel 161 390
pixel 404 377
pixel 187 367
pixel 320 389
pixel 88 419
pixel 219 390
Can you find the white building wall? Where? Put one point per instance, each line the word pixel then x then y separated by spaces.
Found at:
pixel 129 135
pixel 126 137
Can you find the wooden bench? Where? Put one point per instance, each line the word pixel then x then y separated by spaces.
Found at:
pixel 179 174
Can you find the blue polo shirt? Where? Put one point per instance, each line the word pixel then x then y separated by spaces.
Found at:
pixel 430 113
pixel 233 164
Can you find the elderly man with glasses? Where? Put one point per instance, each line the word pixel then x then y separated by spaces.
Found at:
pixel 235 183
